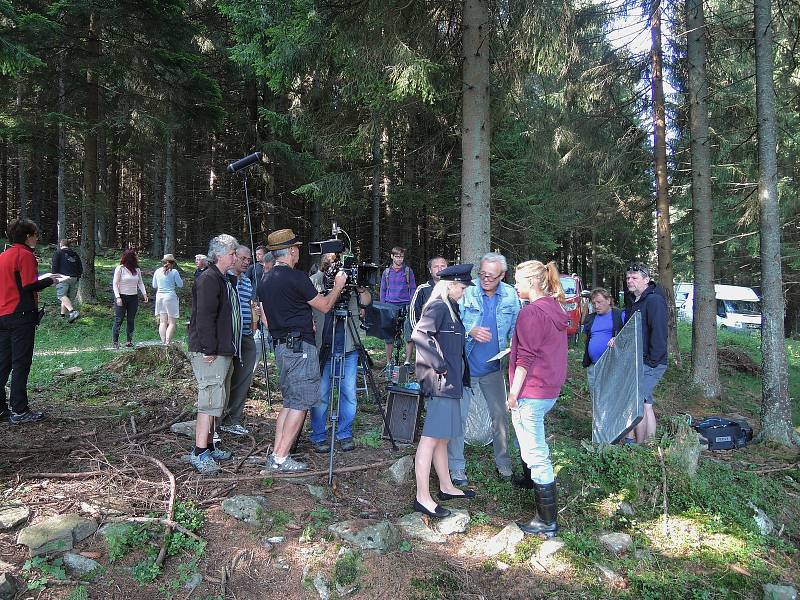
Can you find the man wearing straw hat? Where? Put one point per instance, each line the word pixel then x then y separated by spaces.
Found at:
pixel 291 297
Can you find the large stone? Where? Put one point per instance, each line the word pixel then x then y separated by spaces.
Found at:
pixel 414 526
pixel 321 585
pixel 317 491
pixel 684 452
pixel 779 592
pixel 506 541
pixel 607 575
pixel 8 587
pixel 11 516
pixel 70 371
pixel 367 534
pixel 79 565
pixel 245 508
pixel 195 580
pixel 763 522
pixel 617 543
pixel 185 428
pixel 456 522
pixel 56 534
pixel 400 471
pixel 550 547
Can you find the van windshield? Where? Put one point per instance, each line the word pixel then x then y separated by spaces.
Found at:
pixel 743 307
pixel 570 286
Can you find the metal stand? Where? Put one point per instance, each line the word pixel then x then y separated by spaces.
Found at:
pixel 342 318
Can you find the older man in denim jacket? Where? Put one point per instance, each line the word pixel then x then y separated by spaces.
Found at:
pixel 489 312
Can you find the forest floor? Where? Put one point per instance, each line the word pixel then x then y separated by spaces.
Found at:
pixel 89 458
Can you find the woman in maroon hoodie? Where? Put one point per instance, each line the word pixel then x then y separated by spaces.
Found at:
pixel 536 371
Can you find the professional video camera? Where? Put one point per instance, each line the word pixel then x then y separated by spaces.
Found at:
pixel 359 274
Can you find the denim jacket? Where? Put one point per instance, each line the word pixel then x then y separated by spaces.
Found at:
pixel 508 307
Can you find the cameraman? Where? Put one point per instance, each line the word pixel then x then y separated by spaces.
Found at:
pixel 291 297
pixel 345 345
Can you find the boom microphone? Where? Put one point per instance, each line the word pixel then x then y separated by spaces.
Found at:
pixel 244 162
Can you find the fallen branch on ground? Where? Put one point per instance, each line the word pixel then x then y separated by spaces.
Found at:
pixel 162 553
pixel 278 475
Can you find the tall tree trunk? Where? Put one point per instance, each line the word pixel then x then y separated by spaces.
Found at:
pixel 665 272
pixel 35 211
pixel 376 192
pixel 113 197
pixel 101 215
pixel 156 212
pixel 705 365
pixel 62 150
pixel 476 134
pixel 594 258
pixel 3 185
pixel 86 288
pixel 776 411
pixel 169 195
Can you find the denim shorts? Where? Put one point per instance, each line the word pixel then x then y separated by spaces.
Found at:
pixel 650 378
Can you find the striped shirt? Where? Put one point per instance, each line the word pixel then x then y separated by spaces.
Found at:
pixel 236 318
pixel 245 290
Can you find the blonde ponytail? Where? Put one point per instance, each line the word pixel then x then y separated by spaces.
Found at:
pixel 544 277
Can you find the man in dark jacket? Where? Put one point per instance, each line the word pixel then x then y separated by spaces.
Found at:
pixel 648 299
pixel 67 262
pixel 215 334
pixel 423 292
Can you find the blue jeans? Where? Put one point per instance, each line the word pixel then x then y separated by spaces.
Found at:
pixel 347 400
pixel 528 420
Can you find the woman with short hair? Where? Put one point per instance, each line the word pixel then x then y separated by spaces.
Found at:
pixel 19 316
pixel 126 284
pixel 443 373
pixel 536 371
pixel 166 281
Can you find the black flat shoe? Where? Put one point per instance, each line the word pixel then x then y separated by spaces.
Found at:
pixel 440 513
pixel 467 495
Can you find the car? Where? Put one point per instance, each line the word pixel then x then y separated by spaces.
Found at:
pixel 571 284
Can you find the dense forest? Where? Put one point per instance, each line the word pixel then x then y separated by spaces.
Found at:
pixel 538 129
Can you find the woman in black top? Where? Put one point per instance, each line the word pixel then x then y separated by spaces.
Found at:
pixel 442 372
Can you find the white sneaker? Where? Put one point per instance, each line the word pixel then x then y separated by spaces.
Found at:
pixel 235 429
pixel 217 439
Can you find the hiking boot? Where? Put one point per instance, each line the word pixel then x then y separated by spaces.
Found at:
pixel 347 444
pixel 321 447
pixel 235 429
pixel 459 478
pixel 29 416
pixel 219 454
pixel 73 315
pixel 204 463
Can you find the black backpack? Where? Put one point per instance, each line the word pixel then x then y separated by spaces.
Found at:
pixel 724 434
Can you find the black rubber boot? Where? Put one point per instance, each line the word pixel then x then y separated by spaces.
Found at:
pixel 524 481
pixel 547 509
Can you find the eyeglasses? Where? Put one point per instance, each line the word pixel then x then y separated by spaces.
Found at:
pixel 489 276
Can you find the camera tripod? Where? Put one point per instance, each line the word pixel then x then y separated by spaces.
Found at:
pixel 398 344
pixel 343 321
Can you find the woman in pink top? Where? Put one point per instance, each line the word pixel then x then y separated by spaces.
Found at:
pixel 127 283
pixel 536 371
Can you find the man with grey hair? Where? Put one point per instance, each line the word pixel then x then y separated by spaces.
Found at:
pixel 201 262
pixel 489 312
pixel 287 297
pixel 215 334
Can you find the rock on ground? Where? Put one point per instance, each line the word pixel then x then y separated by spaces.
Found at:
pixel 367 534
pixel 184 428
pixel 617 543
pixel 550 547
pixel 456 522
pixel 400 471
pixel 684 452
pixel 56 534
pixel 11 516
pixel 414 526
pixel 506 540
pixel 779 592
pixel 80 565
pixel 317 491
pixel 245 508
pixel 321 585
pixel 8 587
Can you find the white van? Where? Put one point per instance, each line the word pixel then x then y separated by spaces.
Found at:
pixel 738 308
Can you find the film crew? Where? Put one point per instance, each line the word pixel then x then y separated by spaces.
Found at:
pixel 201 262
pixel 215 332
pixel 443 374
pixel 67 262
pixel 489 311
pixel 345 346
pixel 600 327
pixel 244 366
pixel 537 369
pixel 126 285
pixel 256 270
pixel 424 290
pixel 397 287
pixel 19 315
pixel 287 297
pixel 166 281
pixel 649 299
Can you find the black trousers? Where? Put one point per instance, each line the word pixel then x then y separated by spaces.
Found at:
pixel 130 304
pixel 17 334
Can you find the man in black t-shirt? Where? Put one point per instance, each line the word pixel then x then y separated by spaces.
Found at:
pixel 290 296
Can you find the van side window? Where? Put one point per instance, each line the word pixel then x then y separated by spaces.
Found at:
pixel 721 309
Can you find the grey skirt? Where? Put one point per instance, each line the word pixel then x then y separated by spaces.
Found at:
pixel 442 418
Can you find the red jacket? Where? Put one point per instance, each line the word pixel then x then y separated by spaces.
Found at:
pixel 19 280
pixel 540 346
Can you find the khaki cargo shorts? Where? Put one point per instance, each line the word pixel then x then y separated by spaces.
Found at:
pixel 213 383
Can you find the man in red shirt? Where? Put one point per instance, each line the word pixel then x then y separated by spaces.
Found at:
pixel 19 316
